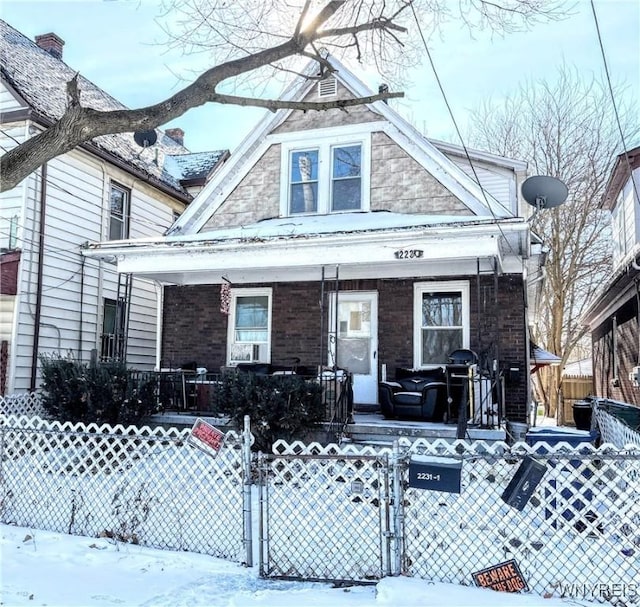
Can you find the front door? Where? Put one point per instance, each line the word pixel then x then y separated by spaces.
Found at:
pixel 353 341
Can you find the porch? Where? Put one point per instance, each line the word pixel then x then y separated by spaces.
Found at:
pixel 185 396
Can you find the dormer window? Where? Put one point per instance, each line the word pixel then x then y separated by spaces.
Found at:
pixel 330 177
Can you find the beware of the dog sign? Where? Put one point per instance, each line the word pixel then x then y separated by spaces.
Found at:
pixel 206 437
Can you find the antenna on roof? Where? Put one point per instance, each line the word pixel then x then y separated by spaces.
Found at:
pixel 543 192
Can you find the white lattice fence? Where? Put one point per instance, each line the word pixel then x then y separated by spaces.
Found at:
pixel 580 527
pixel 577 536
pixel 27 404
pixel 614 430
pixel 138 485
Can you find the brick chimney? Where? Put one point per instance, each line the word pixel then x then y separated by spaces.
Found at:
pixel 51 43
pixel 176 134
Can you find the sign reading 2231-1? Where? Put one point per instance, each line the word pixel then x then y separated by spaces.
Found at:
pixel 409 253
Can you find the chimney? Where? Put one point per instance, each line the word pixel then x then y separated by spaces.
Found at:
pixel 51 43
pixel 176 134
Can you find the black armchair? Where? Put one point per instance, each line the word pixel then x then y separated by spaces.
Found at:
pixel 414 397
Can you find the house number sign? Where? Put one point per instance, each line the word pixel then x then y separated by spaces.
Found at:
pixel 409 253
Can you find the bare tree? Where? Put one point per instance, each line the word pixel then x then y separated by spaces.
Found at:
pixel 566 129
pixel 253 38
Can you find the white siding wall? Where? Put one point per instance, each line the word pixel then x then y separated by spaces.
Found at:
pixel 499 182
pixel 625 222
pixel 8 103
pixel 11 202
pixel 77 210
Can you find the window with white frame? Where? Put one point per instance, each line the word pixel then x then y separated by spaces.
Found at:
pixel 249 328
pixel 119 210
pixel 441 321
pixel 327 177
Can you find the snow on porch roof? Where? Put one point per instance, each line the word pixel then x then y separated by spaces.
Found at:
pixel 337 223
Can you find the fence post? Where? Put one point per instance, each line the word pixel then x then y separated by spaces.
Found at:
pixel 246 491
pixel 398 508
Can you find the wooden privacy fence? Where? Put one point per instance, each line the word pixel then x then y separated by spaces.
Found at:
pixel 574 388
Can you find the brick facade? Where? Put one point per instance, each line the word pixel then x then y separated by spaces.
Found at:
pixel 195 329
pixel 608 364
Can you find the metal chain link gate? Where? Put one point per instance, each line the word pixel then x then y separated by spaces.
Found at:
pixel 325 517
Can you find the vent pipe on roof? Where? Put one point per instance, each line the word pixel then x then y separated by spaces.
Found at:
pixel 51 43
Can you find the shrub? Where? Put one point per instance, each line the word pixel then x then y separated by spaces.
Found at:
pixel 97 392
pixel 280 406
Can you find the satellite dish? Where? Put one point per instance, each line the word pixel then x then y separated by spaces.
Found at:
pixel 145 138
pixel 543 192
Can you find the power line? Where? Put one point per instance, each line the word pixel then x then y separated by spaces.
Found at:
pixel 455 124
pixel 613 101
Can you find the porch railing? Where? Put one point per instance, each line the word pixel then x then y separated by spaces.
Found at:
pixel 184 391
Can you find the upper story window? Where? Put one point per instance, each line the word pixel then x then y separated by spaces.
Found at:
pixel 119 211
pixel 327 177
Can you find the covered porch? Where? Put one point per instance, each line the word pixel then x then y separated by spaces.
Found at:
pixel 333 298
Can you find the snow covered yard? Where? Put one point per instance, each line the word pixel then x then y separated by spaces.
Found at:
pixel 42 568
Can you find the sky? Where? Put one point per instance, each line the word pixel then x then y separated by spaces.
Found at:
pixel 115 43
pixel 39 568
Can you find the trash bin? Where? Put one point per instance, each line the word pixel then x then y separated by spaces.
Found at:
pixel 516 432
pixel 629 414
pixel 552 436
pixel 582 414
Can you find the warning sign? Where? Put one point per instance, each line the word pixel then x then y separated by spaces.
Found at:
pixel 206 437
pixel 505 577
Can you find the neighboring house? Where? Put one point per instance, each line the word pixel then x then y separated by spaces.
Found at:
pixel 354 202
pixel 53 299
pixel 613 317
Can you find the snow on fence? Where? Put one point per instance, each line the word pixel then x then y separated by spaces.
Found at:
pixel 340 513
pixel 578 534
pixel 612 429
pixel 139 485
pixel 27 404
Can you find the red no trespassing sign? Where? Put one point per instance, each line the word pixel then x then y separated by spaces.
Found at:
pixel 206 437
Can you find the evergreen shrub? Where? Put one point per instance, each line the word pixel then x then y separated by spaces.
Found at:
pixel 280 406
pixel 95 392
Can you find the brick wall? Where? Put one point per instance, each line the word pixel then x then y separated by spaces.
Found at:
pixel 606 363
pixel 195 329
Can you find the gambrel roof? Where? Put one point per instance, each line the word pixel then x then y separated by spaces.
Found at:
pixel 39 80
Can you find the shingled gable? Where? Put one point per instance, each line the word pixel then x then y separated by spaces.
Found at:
pixel 37 80
pixel 250 151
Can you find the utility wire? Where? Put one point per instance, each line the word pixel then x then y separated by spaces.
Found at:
pixel 613 101
pixel 455 124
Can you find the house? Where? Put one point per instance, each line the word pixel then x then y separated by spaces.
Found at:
pixel 355 207
pixel 53 299
pixel 613 316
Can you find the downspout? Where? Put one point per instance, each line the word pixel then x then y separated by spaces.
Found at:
pixel 82 261
pixel 36 322
pixel 159 311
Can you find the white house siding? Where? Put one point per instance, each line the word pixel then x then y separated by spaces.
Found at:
pixel 625 223
pixel 8 102
pixel 6 317
pixel 11 202
pixel 77 211
pixel 498 182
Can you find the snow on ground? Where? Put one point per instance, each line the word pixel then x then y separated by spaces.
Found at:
pixel 41 568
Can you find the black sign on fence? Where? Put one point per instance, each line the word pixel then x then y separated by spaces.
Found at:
pixel 524 482
pixel 435 473
pixel 505 577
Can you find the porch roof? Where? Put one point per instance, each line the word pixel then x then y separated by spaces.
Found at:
pixel 363 245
